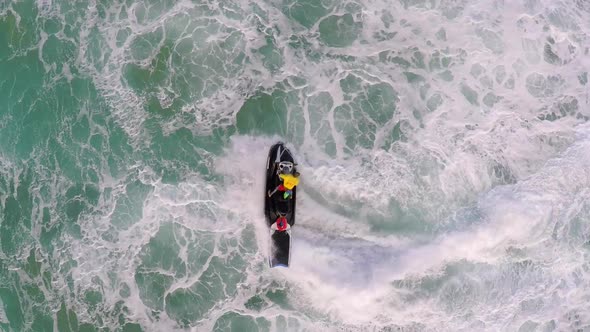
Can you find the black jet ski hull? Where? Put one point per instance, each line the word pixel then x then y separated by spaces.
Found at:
pixel 276 206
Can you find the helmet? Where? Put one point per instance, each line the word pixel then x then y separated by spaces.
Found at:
pixel 285 167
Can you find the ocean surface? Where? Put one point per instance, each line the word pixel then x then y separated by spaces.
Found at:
pixel 443 145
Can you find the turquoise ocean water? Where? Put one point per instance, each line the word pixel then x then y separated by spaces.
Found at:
pixel 443 146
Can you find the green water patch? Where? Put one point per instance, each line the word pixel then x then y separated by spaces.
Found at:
pixel 147 79
pixel 233 321
pixel 132 327
pixel 378 102
pixel 217 280
pixel 162 251
pixel 279 112
pixel 200 248
pixel 184 68
pixel 18 35
pixel 500 74
pixel 187 305
pixel 21 83
pixel 306 12
pixel 393 57
pixel 81 158
pixel 399 133
pixel 67 321
pixel 129 206
pixel 99 318
pixel 34 294
pixel 319 107
pixel 150 10
pixel 490 99
pixel 339 30
pixel 357 132
pixel 565 106
pixel 42 322
pixel 153 287
pixel 160 265
pixel 175 155
pixel 32 266
pixel 98 51
pixel 117 152
pixel 60 137
pixel 371 106
pixel 290 99
pixel 79 198
pixel 52 25
pixel 66 159
pixel 469 94
pixel 417 58
pixel 55 126
pixel 583 78
pixel 279 297
pixel 23 300
pixel 12 308
pixel 178 148
pixel 263 114
pixel 540 86
pixel 434 102
pixel 415 62
pixel 287 324
pixel 272 57
pixel 16 214
pixel 413 77
pixel 256 303
pixel 143 46
pixel 57 52
pixel 491 40
pixel 303 47
pixel 87 327
pixel 446 75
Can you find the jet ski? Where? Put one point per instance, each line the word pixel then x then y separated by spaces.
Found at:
pixel 280 198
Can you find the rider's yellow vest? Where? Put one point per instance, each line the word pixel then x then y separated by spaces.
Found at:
pixel 289 181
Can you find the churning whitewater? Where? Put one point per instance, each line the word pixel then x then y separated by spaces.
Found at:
pixel 443 147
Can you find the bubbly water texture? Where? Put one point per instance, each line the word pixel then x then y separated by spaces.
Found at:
pixel 444 148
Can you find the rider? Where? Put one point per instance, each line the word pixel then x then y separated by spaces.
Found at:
pixel 289 182
pixel 289 178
